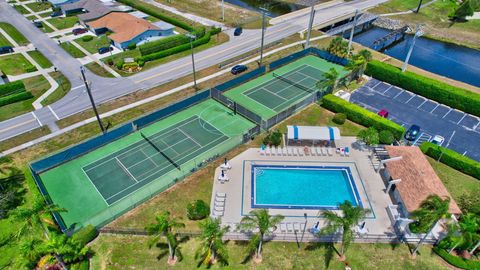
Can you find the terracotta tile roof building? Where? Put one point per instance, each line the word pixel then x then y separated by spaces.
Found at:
pixel 418 179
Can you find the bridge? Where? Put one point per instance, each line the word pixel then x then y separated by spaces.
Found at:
pixel 364 21
pixel 390 39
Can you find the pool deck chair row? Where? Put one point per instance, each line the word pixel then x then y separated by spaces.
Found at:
pixel 219 204
pixel 290 227
pixel 296 151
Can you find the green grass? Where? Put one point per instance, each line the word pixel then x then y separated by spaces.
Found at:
pixel 63 88
pixel 37 86
pixel 14 34
pixel 63 23
pixel 99 70
pixel 72 50
pixel 14 64
pixel 40 59
pixel 39 6
pixel 4 41
pixel 93 45
pixel 21 9
pixel 46 28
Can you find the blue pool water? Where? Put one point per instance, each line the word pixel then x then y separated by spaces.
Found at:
pixel 303 187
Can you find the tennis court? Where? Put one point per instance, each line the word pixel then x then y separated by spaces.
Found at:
pixel 276 91
pixel 99 186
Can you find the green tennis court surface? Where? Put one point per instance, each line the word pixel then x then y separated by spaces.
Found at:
pixel 97 187
pixel 269 94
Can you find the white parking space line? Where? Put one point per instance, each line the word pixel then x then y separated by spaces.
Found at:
pixel 435 108
pixel 399 93
pixel 36 118
pixel 379 82
pixel 447 112
pixel 476 126
pixel 409 99
pixel 423 103
pixel 387 89
pixel 462 118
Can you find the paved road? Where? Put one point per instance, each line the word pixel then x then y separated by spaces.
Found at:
pixel 406 108
pixel 105 89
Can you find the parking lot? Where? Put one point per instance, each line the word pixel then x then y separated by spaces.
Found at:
pixel 406 108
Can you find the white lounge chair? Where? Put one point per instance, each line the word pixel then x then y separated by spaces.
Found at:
pixel 330 151
pixel 218 199
pixel 289 227
pixel 284 151
pixel 319 151
pixel 221 195
pixel 324 151
pixel 289 151
pixel 296 226
pixel 219 208
pixel 219 203
pixel 267 151
pixel 277 151
pixel 283 227
pixel 218 213
pixel 300 151
pixel 294 151
pixel 262 152
pixel 312 151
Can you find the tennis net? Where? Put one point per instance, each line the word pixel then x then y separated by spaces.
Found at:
pixel 160 151
pixel 280 77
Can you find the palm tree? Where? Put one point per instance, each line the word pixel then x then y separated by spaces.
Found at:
pixel 212 248
pixel 164 227
pixel 64 249
pixel 33 217
pixel 329 80
pixel 259 219
pixel 464 234
pixel 30 252
pixel 432 209
pixel 366 54
pixel 351 216
pixel 338 46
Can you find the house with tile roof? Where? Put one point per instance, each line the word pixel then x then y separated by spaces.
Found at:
pixel 127 29
pixel 89 10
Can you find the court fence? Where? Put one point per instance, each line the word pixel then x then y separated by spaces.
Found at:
pixel 309 51
pixel 241 79
pixel 218 96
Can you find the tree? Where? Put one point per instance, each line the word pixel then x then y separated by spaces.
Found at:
pixel 351 216
pixel 467 8
pixel 329 80
pixel 432 209
pixel 261 220
pixel 212 248
pixel 462 235
pixel 338 46
pixel 29 250
pixel 369 136
pixel 358 63
pixel 64 249
pixel 386 137
pixel 164 227
pixel 366 54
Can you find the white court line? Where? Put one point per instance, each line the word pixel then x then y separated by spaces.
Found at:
pixel 447 113
pixel 422 103
pixel 190 138
pixel 125 169
pixel 95 187
pixel 149 157
pixel 54 114
pixel 410 99
pixel 464 114
pixel 399 93
pixel 36 118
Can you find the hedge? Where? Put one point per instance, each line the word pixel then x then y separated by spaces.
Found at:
pixel 452 159
pixel 441 92
pixel 9 88
pixel 457 261
pixel 361 116
pixel 15 98
pixel 148 9
pixel 85 235
pixel 163 44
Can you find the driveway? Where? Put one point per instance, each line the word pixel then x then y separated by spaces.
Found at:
pixel 407 108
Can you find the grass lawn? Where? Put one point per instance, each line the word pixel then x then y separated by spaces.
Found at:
pixel 37 86
pixel 21 9
pixel 72 50
pixel 99 70
pixel 93 45
pixel 63 23
pixel 15 64
pixel 14 33
pixel 132 252
pixel 39 6
pixel 64 86
pixel 4 41
pixel 46 28
pixel 40 59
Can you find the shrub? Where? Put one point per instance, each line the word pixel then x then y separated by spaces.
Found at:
pixel 85 235
pixel 386 137
pixel 441 92
pixel 457 261
pixel 82 265
pixel 273 138
pixel 141 63
pixel 30 68
pixel 132 46
pixel 452 159
pixel 470 203
pixel 119 64
pixel 127 66
pixel 87 38
pixel 361 116
pixel 8 88
pixel 15 98
pixel 369 136
pixel 163 44
pixel 339 118
pixel 198 210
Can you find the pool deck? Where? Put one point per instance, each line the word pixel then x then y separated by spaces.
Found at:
pixel 370 186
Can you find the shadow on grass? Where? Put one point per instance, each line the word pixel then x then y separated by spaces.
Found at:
pixel 164 249
pixel 329 248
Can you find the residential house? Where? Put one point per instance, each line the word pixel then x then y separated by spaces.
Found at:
pixel 92 9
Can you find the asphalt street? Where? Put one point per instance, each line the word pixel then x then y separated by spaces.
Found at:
pixel 105 89
pixel 406 108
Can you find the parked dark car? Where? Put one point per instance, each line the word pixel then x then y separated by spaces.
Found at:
pixel 79 31
pixel 383 113
pixel 105 50
pixel 238 69
pixel 38 24
pixel 56 14
pixel 238 31
pixel 412 133
pixel 6 49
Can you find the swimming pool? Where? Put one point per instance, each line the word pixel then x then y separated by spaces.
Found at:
pixel 302 187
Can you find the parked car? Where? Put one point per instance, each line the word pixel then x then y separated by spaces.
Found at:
pixel 38 24
pixel 56 14
pixel 438 140
pixel 103 50
pixel 79 31
pixel 383 113
pixel 238 69
pixel 238 31
pixel 6 49
pixel 412 133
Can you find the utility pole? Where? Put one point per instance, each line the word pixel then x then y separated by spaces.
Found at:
pixel 82 70
pixel 192 37
pixel 223 10
pixel 310 25
pixel 264 11
pixel 419 6
pixel 417 34
pixel 352 32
